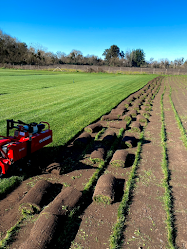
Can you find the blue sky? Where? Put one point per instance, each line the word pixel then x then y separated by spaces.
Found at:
pixel 157 27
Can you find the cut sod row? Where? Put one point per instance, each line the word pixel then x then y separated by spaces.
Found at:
pixel 72 222
pixel 168 194
pixel 117 236
pixel 89 187
pixel 181 128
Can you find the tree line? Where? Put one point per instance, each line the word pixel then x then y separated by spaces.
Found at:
pixel 18 53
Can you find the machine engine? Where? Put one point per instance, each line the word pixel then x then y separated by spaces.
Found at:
pixel 27 139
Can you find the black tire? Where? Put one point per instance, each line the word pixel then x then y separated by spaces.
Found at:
pixel 1 171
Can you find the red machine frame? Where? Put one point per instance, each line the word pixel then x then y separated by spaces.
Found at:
pixel 27 139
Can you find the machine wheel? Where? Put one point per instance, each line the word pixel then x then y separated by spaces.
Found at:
pixel 0 171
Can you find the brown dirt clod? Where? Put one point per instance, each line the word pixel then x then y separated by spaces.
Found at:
pixel 53 168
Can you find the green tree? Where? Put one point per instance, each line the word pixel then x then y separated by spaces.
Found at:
pixel 111 53
pixel 137 57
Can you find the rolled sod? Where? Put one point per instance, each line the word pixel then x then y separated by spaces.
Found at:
pixel 105 189
pixel 119 158
pixel 127 117
pixel 126 103
pixel 64 202
pixel 98 155
pixel 135 126
pixel 82 140
pixel 117 111
pixel 137 102
pixel 42 232
pixel 133 113
pixel 136 107
pixel 93 128
pixel 118 124
pixel 109 137
pixel 128 141
pixel 141 118
pixel 146 108
pixel 38 195
pixel 110 117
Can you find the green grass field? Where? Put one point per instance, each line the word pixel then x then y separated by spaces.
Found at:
pixel 68 101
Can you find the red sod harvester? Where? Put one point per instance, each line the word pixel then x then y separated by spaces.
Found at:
pixel 27 139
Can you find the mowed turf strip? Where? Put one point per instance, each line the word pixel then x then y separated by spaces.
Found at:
pixel 69 102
